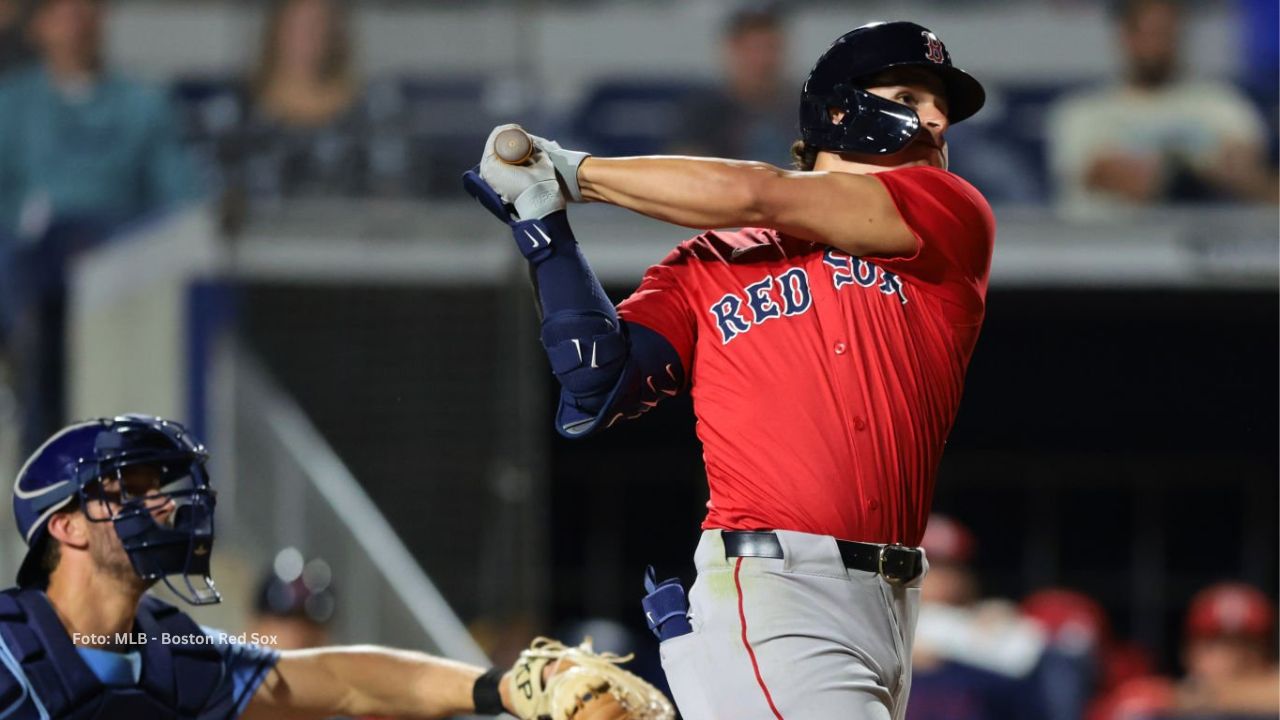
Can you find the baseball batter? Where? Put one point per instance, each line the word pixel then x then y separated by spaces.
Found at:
pixel 825 346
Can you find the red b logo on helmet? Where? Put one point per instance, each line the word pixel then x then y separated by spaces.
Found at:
pixel 937 53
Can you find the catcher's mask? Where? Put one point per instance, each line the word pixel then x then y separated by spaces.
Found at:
pixel 145 476
pixel 873 125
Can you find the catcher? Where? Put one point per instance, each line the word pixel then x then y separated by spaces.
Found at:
pixel 110 507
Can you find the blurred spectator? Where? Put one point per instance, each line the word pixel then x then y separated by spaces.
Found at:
pixel 1142 698
pixel 82 150
pixel 305 76
pixel 1072 620
pixel 295 603
pixel 1228 653
pixel 950 549
pixel 308 129
pixel 79 140
pixel 1084 661
pixel 972 660
pixel 1156 137
pixel 14 49
pixel 754 116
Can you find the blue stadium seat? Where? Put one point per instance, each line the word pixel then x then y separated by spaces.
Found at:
pixel 209 108
pixel 1003 150
pixel 208 105
pixel 448 120
pixel 628 116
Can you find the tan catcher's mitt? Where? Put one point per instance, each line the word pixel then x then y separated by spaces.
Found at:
pixel 554 682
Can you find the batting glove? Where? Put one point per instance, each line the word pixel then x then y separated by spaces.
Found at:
pixel 566 163
pixel 532 187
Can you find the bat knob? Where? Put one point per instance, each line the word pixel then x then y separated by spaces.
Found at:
pixel 513 146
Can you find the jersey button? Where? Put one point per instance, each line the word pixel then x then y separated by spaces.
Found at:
pixel 839 347
pixel 859 424
pixel 873 504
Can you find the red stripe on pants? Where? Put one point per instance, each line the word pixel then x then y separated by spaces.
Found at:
pixel 742 617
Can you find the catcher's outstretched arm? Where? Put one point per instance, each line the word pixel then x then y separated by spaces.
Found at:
pixel 364 680
pixel 548 680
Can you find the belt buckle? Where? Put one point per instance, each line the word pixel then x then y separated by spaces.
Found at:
pixel 880 564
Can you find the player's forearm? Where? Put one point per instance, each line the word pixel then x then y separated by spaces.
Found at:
pixel 850 212
pixel 703 193
pixel 367 680
pixel 399 682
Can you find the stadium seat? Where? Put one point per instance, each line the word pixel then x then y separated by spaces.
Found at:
pixel 1003 150
pixel 631 116
pixel 448 120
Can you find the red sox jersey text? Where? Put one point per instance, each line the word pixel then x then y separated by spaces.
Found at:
pixel 825 385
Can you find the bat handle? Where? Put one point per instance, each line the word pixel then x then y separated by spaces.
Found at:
pixel 513 146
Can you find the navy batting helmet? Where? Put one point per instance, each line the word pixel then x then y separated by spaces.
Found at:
pixel 871 124
pixel 78 464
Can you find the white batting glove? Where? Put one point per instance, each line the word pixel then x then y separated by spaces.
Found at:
pixel 566 162
pixel 532 187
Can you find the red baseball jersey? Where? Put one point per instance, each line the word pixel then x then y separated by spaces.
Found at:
pixel 824 384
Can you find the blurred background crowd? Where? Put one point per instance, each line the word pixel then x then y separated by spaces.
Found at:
pixel 277 184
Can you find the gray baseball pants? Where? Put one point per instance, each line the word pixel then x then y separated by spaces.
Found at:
pixel 801 638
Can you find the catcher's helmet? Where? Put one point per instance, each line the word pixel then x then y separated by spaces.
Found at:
pixel 873 125
pixel 72 465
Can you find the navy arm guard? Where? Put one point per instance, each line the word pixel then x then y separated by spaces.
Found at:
pixel 650 373
pixel 608 370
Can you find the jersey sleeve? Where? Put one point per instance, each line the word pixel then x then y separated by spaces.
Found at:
pixel 661 305
pixel 954 230
pixel 246 666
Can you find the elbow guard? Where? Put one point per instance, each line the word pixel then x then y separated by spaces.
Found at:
pixel 645 371
pixel 608 369
pixel 587 352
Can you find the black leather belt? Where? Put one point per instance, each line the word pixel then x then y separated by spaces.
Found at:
pixel 897 563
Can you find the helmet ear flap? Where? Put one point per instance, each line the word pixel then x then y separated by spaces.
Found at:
pixel 871 125
pixel 854 97
pixel 848 102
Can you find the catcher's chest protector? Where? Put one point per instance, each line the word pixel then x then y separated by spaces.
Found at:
pixel 178 682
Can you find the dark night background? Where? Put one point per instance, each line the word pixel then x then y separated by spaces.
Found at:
pixel 1119 443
